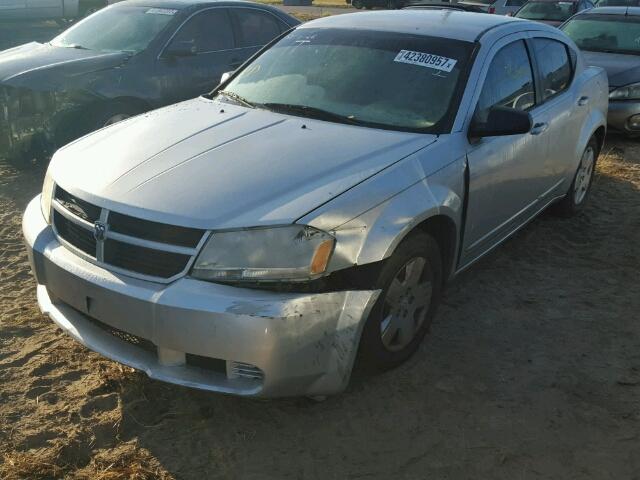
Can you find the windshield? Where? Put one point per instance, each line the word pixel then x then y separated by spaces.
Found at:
pixel 377 79
pixel 551 11
pixel 616 3
pixel 605 33
pixel 117 29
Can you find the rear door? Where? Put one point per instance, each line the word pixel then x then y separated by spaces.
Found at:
pixel 506 176
pixel 210 32
pixel 564 113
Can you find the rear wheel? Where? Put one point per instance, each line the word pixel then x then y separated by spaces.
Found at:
pixel 411 284
pixel 578 193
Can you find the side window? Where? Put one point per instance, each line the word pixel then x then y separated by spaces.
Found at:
pixel 555 66
pixel 509 81
pixel 515 3
pixel 208 31
pixel 256 28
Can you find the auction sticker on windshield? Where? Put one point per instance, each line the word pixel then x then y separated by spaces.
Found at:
pixel 426 60
pixel 161 11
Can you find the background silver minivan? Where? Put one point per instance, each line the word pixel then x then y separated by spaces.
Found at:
pixel 49 9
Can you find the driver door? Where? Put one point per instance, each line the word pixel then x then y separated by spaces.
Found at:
pixel 506 173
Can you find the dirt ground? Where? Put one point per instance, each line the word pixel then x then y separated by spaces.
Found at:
pixel 532 371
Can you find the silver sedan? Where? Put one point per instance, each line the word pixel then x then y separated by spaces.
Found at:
pixel 309 211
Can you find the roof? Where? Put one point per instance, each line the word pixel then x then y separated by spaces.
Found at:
pixel 182 4
pixel 445 23
pixel 633 11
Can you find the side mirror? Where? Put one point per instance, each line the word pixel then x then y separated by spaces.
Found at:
pixel 225 76
pixel 181 48
pixel 501 121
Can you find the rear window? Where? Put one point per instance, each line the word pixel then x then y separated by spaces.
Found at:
pixel 555 66
pixel 256 28
pixel 550 11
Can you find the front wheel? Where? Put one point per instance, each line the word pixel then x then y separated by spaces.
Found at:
pixel 110 114
pixel 578 193
pixel 411 284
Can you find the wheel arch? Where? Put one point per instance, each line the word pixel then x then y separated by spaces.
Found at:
pixel 595 125
pixel 136 103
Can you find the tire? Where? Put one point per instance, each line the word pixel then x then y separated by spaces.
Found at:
pixel 380 347
pixel 357 4
pixel 578 193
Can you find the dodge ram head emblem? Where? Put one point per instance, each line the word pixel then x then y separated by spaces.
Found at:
pixel 99 231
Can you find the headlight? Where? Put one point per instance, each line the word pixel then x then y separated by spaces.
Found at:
pixel 628 92
pixel 289 253
pixel 46 197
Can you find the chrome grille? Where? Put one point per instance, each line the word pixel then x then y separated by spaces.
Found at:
pixel 122 243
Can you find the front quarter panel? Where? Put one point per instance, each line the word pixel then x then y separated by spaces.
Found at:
pixel 371 220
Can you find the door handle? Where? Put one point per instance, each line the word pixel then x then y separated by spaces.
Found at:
pixel 582 101
pixel 538 128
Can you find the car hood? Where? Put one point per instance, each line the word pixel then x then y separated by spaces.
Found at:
pixel 621 69
pixel 42 66
pixel 209 164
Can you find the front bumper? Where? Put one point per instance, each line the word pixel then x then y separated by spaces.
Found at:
pixel 291 344
pixel 621 113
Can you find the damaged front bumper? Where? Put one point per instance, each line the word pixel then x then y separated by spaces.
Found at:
pixel 200 334
pixel 33 124
pixel 24 123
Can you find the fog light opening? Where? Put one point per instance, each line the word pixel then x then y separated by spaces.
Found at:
pixel 236 370
pixel 633 123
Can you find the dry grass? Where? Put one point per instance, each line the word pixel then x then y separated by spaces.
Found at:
pixel 33 465
pixel 307 17
pixel 125 462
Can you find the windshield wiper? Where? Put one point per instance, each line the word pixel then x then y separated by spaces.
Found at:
pixel 311 112
pixel 237 98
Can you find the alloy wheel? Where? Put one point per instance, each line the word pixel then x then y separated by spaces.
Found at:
pixel 583 177
pixel 406 304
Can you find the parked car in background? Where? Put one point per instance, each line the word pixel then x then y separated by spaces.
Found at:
pixel 617 3
pixel 309 210
pixel 552 12
pixel 441 5
pixel 609 37
pixel 499 7
pixel 124 60
pixel 49 9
